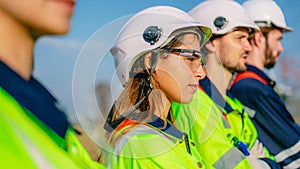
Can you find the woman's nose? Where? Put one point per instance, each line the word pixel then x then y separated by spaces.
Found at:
pixel 199 73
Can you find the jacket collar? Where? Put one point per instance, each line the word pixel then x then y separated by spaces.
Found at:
pixel 211 90
pixel 261 74
pixel 34 97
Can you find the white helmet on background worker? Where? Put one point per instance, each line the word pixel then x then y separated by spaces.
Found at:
pixel 147 30
pixel 266 13
pixel 223 16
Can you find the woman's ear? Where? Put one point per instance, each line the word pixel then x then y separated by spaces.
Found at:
pixel 147 61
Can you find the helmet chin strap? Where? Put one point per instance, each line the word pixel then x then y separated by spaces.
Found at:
pixel 154 59
pixel 147 86
pixel 110 124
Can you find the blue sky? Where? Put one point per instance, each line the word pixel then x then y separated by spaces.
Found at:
pixel 55 57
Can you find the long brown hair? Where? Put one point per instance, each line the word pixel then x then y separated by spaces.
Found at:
pixel 143 88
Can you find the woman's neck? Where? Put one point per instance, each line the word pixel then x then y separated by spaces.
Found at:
pixel 16 46
pixel 165 107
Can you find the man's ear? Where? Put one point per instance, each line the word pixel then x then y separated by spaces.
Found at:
pixel 210 46
pixel 258 38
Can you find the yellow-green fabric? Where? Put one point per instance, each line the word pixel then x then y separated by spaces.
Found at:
pixel 145 147
pixel 203 121
pixel 27 143
pixel 241 124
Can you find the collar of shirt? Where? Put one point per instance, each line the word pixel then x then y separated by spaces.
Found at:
pixel 34 97
pixel 261 74
pixel 169 129
pixel 211 90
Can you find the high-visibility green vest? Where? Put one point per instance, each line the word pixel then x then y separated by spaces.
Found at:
pixel 241 124
pixel 26 142
pixel 147 147
pixel 203 121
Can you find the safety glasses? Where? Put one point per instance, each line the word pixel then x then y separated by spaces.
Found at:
pixel 196 57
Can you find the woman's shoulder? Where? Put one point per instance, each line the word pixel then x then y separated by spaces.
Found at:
pixel 143 140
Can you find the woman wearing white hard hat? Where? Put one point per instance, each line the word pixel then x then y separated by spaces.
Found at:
pixel 151 55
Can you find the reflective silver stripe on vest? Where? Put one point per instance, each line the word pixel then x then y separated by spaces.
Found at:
pixel 250 112
pixel 225 123
pixel 293 165
pixel 37 157
pixel 230 159
pixel 288 152
pixel 142 129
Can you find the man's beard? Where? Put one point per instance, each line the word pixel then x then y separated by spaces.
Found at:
pixel 270 60
pixel 237 69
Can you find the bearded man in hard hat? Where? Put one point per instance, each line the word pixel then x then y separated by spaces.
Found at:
pixel 220 138
pixel 276 128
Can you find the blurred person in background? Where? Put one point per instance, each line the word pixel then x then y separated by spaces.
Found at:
pixel 276 127
pixel 34 130
pixel 219 135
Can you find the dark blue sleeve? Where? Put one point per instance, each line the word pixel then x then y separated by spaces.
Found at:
pixel 276 128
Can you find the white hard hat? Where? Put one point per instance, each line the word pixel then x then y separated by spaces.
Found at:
pixel 266 13
pixel 222 16
pixel 147 30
